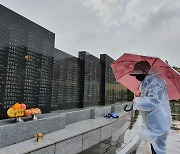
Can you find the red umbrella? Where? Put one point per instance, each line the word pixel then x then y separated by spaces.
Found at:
pixel 125 64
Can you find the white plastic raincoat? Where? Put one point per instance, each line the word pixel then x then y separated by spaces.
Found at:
pixel 155 110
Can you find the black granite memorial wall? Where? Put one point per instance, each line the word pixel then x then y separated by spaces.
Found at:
pixel 89 79
pixel 110 90
pixel 65 86
pixel 26 53
pixel 33 72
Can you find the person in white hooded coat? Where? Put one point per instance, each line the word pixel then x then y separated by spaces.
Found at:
pixel 152 100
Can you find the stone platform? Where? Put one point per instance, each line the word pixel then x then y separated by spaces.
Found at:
pixel 73 132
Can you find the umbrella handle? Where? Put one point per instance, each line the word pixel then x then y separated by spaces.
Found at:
pixel 127 110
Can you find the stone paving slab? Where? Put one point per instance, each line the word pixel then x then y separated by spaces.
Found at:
pixel 129 134
pixel 119 132
pixel 173 143
pixel 47 150
pixel 90 124
pixel 70 146
pixel 91 138
pixel 26 146
pixel 62 134
pixel 106 132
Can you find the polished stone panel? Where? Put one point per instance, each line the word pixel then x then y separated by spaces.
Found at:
pixel 91 138
pixel 115 126
pixel 106 132
pixel 70 146
pixel 65 83
pixel 89 70
pixel 46 150
pixel 75 116
pixel 111 90
pixel 27 52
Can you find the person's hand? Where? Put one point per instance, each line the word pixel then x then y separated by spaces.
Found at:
pixel 136 96
pixel 137 93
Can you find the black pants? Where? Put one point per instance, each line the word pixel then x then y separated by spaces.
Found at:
pixel 152 149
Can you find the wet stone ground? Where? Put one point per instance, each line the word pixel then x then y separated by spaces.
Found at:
pixel 110 146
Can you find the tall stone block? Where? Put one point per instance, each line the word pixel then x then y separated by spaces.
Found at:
pixel 89 70
pixel 27 50
pixel 110 90
pixel 65 85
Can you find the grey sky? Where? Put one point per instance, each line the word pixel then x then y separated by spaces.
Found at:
pixel 148 27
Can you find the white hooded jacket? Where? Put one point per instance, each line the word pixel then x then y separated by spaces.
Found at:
pixel 155 110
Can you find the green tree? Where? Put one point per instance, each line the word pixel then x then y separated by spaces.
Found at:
pixel 130 95
pixel 176 68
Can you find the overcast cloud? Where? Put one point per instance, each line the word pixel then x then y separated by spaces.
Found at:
pixel 148 27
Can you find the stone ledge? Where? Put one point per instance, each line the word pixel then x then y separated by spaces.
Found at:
pixel 89 132
pixel 27 146
pixel 100 111
pixel 75 116
pixel 18 132
pixel 51 122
